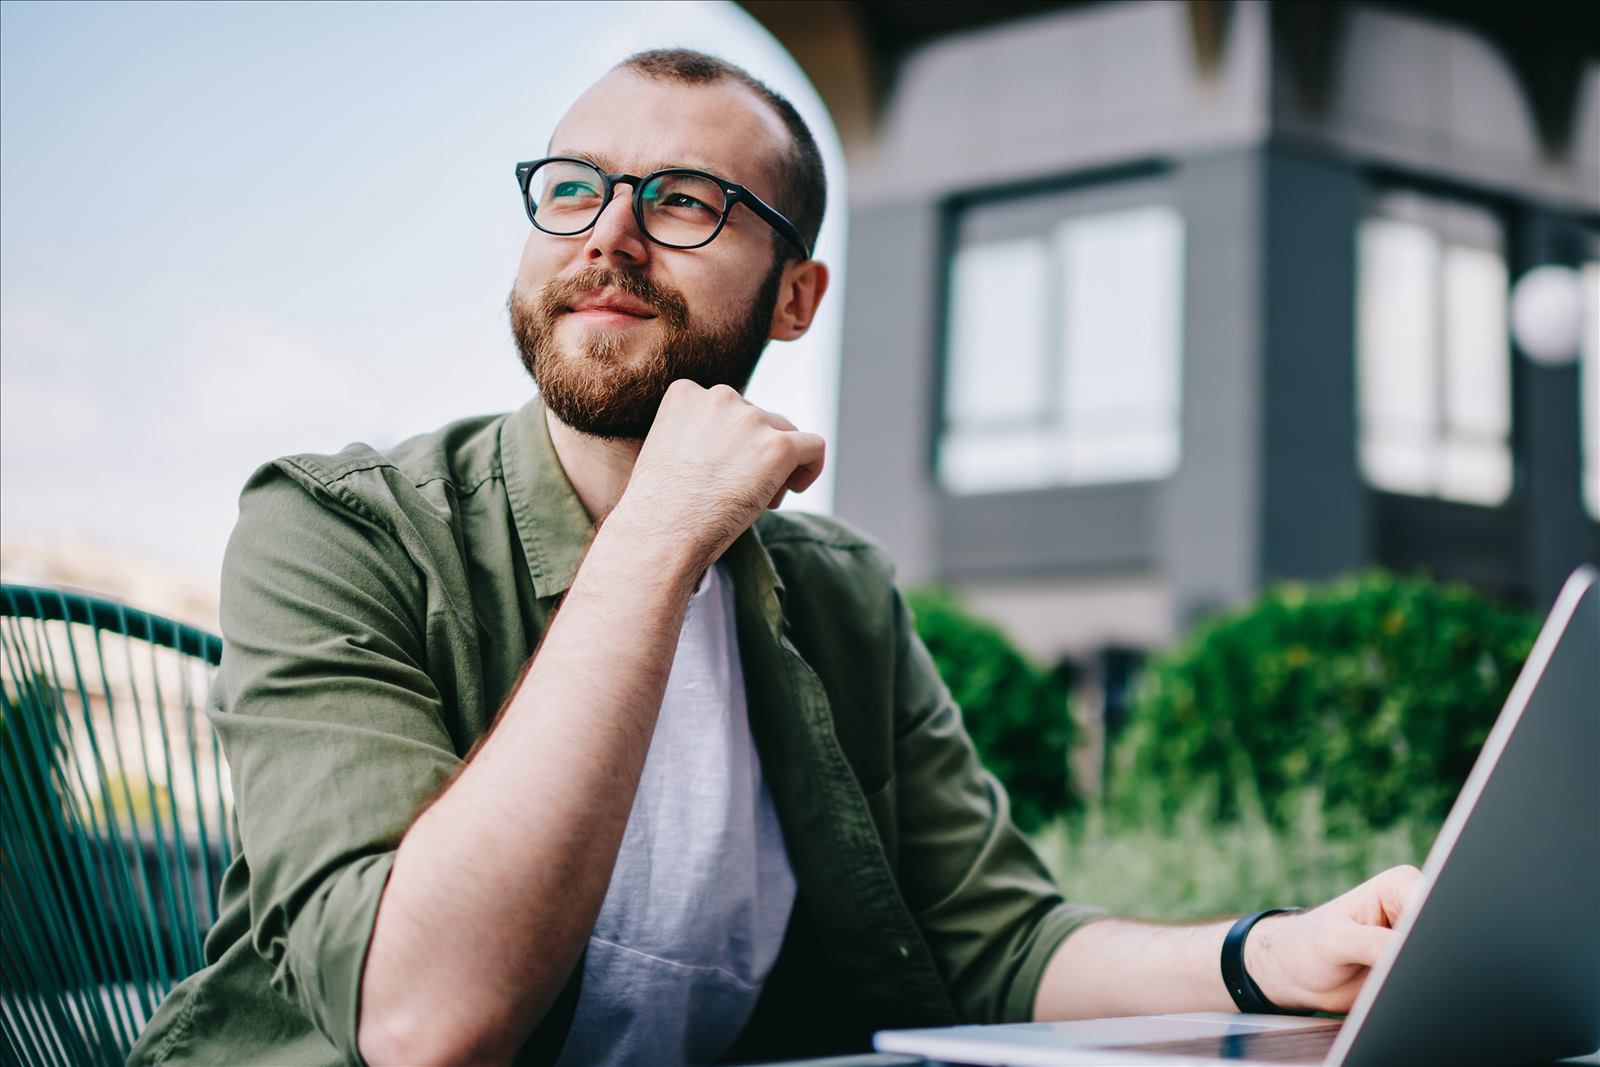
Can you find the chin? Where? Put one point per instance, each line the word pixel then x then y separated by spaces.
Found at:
pixel 616 340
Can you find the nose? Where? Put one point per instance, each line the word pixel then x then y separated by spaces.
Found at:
pixel 615 236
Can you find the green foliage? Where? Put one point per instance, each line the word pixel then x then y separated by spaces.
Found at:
pixel 1193 866
pixel 1373 692
pixel 1016 713
pixel 31 739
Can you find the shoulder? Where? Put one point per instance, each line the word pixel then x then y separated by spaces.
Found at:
pixel 363 512
pixel 829 568
pixel 800 537
pixel 418 480
pixel 461 457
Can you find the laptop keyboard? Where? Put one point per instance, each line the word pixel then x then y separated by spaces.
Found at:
pixel 1307 1046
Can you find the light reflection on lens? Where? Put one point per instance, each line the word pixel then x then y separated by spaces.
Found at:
pixel 678 208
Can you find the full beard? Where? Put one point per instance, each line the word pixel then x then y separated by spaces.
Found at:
pixel 598 390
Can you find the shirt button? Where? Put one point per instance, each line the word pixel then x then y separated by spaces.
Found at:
pixel 904 950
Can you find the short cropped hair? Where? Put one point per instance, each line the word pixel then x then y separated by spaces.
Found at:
pixel 802 184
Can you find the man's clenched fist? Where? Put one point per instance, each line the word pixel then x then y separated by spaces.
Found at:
pixel 712 463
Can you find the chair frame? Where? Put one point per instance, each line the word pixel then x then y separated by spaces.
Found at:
pixel 100 910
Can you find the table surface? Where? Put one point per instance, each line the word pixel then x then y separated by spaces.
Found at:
pixel 882 1060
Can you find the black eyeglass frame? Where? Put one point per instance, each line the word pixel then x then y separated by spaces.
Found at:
pixel 733 193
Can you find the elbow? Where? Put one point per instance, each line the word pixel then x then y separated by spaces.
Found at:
pixel 429 1039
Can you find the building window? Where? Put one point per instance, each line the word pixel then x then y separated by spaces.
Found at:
pixel 1433 359
pixel 1589 352
pixel 1063 341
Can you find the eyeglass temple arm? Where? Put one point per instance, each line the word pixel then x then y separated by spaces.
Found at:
pixel 774 219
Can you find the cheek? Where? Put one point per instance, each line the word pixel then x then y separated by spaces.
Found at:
pixel 721 294
pixel 541 260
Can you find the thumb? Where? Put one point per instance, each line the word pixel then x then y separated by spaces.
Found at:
pixel 1361 945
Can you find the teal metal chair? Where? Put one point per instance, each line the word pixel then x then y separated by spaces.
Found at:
pixel 114 807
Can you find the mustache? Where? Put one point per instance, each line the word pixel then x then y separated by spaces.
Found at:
pixel 561 293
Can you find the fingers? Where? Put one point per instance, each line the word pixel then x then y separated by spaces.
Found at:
pixel 1361 945
pixel 776 421
pixel 1382 899
pixel 1398 889
pixel 810 447
pixel 812 450
pixel 1348 935
pixel 720 427
pixel 1376 906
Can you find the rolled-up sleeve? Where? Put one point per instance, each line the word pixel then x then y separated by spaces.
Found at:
pixel 333 730
pixel 984 901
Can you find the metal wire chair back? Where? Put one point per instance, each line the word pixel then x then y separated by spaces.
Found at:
pixel 114 808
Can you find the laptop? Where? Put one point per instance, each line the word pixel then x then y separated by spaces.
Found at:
pixel 1497 960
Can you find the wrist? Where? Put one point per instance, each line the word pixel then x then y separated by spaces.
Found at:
pixel 1264 984
pixel 631 537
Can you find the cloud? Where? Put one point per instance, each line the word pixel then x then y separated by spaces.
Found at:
pixel 44 417
pixel 248 375
pixel 41 330
pixel 47 401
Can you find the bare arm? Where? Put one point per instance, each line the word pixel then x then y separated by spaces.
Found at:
pixel 1313 960
pixel 496 886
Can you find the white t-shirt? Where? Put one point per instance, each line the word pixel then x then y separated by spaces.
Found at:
pixel 702 890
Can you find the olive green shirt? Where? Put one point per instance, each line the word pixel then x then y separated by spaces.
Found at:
pixel 377 609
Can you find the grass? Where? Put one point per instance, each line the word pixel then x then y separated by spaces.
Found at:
pixel 1195 867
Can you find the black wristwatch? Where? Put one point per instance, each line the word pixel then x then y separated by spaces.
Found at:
pixel 1246 994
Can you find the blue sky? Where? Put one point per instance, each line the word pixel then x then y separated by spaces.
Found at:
pixel 230 232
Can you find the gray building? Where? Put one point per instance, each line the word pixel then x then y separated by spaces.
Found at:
pixel 1151 304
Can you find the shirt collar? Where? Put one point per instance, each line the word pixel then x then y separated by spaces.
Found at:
pixel 755 576
pixel 555 530
pixel 552 525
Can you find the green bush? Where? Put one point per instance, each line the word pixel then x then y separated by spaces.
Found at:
pixel 1016 713
pixel 1373 692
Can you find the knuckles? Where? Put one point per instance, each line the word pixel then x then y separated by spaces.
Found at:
pixel 719 449
pixel 679 392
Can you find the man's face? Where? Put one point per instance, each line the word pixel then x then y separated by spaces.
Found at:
pixel 607 319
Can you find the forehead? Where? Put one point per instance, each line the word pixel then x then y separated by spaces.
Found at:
pixel 638 124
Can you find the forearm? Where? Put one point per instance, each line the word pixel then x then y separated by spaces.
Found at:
pixel 1314 960
pixel 496 886
pixel 1117 967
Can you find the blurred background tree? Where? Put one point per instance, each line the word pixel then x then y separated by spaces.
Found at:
pixel 1016 712
pixel 1373 692
pixel 1284 752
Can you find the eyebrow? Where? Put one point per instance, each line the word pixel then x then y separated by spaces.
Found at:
pixel 609 167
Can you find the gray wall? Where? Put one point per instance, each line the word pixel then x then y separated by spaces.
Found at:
pixel 1432 99
pixel 886 381
pixel 1314 515
pixel 1271 195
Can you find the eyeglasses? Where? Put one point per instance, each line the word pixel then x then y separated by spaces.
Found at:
pixel 677 207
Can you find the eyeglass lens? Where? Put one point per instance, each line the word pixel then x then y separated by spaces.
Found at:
pixel 679 209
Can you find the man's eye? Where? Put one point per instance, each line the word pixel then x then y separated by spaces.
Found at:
pixel 683 200
pixel 571 189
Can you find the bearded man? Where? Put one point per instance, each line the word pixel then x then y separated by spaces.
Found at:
pixel 718 805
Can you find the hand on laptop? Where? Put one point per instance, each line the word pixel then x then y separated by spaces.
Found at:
pixel 1317 960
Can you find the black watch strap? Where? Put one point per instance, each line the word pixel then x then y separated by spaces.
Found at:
pixel 1246 994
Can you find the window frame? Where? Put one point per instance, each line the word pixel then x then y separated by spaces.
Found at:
pixel 1034 209
pixel 1441 208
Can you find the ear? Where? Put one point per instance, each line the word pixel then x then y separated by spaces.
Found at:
pixel 799 292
